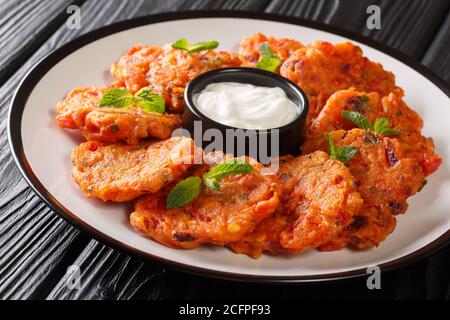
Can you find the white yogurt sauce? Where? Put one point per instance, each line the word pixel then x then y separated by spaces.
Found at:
pixel 246 106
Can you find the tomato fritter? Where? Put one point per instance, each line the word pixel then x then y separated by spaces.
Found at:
pixel 71 113
pixel 410 125
pixel 330 117
pixel 372 107
pixel 319 200
pixel 217 217
pixel 121 172
pixel 281 47
pixel 385 178
pixel 129 125
pixel 171 71
pixel 322 68
pixel 80 111
pixel 132 68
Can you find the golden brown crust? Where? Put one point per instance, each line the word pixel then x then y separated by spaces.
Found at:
pixel 330 117
pixel 410 125
pixel 128 124
pixel 371 106
pixel 72 111
pixel 322 68
pixel 121 172
pixel 217 217
pixel 319 201
pixel 171 71
pixel 385 178
pixel 281 47
pixel 80 110
pixel 132 68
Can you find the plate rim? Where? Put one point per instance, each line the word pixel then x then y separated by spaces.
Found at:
pixel 40 68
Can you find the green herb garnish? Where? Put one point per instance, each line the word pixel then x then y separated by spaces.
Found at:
pixel 343 154
pixel 381 125
pixel 229 167
pixel 268 60
pixel 116 98
pixel 187 190
pixel 184 44
pixel 357 118
pixel 143 99
pixel 184 192
pixel 370 137
pixel 149 101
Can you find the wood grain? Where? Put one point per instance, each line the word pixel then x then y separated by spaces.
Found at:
pixel 437 57
pixel 36 246
pixel 400 28
pixel 25 25
pixel 108 274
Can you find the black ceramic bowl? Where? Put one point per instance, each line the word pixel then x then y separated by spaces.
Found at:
pixel 259 144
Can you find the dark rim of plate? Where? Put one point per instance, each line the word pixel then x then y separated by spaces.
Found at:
pixel 40 69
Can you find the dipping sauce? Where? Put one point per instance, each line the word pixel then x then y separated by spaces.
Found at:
pixel 246 106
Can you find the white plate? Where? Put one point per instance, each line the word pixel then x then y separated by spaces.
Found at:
pixel 42 150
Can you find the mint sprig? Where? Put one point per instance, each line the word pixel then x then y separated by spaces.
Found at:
pixel 143 99
pixel 357 118
pixel 212 184
pixel 149 101
pixel 184 192
pixel 229 167
pixel 188 189
pixel 116 98
pixel 268 60
pixel 343 154
pixel 380 126
pixel 184 44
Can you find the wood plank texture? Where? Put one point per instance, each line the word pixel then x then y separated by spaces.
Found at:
pixel 106 274
pixel 36 246
pixel 437 57
pixel 400 27
pixel 22 32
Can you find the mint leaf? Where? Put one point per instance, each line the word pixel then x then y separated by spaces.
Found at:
pixel 357 118
pixel 212 184
pixel 184 192
pixel 268 60
pixel 269 63
pixel 381 126
pixel 370 137
pixel 227 168
pixel 149 101
pixel 265 50
pixel 343 154
pixel 204 45
pixel 184 44
pixel 122 98
pixel 116 98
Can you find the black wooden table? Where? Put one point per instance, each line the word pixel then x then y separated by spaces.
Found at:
pixel 37 246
